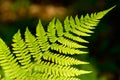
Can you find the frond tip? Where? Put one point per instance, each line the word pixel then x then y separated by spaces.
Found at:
pixel 48 55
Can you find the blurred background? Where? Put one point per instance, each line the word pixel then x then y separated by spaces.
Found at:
pixel 104 47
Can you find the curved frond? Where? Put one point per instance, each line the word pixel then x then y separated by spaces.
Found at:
pixel 48 55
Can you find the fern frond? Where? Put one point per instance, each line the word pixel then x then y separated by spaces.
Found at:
pixel 59 28
pixel 66 50
pixel 75 38
pixel 9 63
pixel 67 24
pixel 88 22
pixel 58 70
pixel 61 59
pixel 33 46
pixel 52 77
pixel 79 33
pixel 21 51
pixel 42 38
pixel 69 43
pixel 73 30
pixel 52 31
pixel 77 20
pixel 45 56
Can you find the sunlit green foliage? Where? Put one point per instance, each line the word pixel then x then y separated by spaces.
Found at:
pixel 45 56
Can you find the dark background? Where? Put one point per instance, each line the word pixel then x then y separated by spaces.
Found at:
pixel 104 46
